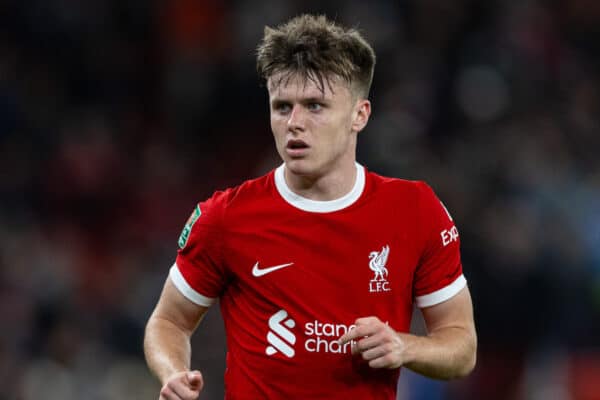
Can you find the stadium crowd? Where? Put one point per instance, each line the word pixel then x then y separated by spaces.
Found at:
pixel 116 117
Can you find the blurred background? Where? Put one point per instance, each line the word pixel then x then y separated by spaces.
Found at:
pixel 116 117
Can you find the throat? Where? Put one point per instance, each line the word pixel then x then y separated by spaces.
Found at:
pixel 322 187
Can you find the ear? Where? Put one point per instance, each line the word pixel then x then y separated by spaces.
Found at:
pixel 360 116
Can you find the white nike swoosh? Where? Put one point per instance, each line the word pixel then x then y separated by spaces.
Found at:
pixel 263 271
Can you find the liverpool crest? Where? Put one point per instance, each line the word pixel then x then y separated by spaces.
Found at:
pixel 379 283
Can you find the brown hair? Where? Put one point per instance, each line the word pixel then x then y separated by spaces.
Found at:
pixel 316 49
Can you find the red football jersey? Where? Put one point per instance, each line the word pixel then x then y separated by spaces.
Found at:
pixel 293 274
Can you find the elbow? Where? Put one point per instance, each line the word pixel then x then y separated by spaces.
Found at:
pixel 463 362
pixel 467 367
pixel 468 362
pixel 460 370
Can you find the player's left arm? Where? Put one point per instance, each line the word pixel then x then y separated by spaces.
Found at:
pixel 447 351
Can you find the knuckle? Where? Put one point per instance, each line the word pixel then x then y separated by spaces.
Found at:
pixel 367 354
pixel 171 384
pixel 361 346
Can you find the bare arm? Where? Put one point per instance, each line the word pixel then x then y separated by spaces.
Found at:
pixel 167 343
pixel 450 348
pixel 448 351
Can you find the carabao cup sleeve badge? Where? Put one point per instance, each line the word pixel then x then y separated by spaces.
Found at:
pixel 185 233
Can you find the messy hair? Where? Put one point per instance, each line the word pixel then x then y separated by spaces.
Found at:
pixel 317 50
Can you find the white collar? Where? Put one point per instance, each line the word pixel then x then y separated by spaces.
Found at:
pixel 316 205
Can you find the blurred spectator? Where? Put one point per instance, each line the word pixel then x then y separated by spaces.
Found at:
pixel 116 117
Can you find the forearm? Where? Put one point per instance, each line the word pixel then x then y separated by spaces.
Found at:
pixel 167 348
pixel 444 354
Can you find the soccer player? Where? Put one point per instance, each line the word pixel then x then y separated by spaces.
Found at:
pixel 317 264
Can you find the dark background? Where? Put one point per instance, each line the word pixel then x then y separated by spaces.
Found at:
pixel 116 117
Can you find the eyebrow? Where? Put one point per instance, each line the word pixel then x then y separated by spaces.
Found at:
pixel 306 100
pixel 313 99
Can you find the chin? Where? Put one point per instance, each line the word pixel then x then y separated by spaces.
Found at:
pixel 300 167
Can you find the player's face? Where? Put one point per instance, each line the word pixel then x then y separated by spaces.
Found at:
pixel 315 132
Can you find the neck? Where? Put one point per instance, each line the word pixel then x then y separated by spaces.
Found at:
pixel 323 187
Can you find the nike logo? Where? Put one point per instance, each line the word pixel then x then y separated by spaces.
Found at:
pixel 263 271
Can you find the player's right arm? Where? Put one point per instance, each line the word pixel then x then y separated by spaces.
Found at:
pixel 167 344
pixel 195 282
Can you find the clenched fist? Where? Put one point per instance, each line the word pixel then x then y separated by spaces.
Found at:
pixel 185 385
pixel 377 342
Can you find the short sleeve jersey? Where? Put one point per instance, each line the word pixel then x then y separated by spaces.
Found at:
pixel 293 274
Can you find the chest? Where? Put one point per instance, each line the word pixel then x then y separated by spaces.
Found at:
pixel 357 263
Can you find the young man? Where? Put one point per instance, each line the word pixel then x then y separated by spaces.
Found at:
pixel 317 264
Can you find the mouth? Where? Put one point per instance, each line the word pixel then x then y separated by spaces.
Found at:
pixel 296 148
pixel 296 144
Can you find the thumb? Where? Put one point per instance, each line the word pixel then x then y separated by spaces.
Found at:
pixel 195 379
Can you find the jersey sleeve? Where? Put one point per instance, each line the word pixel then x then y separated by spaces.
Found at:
pixel 199 271
pixel 439 275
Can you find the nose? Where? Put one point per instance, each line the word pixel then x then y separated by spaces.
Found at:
pixel 296 119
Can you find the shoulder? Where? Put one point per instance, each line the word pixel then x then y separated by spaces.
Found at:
pixel 248 191
pixel 404 188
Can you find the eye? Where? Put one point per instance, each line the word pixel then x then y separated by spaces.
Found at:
pixel 315 106
pixel 282 108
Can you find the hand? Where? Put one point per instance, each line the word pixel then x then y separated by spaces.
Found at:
pixel 184 385
pixel 377 342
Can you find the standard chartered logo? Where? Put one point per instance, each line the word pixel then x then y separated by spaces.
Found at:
pixel 321 337
pixel 280 338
